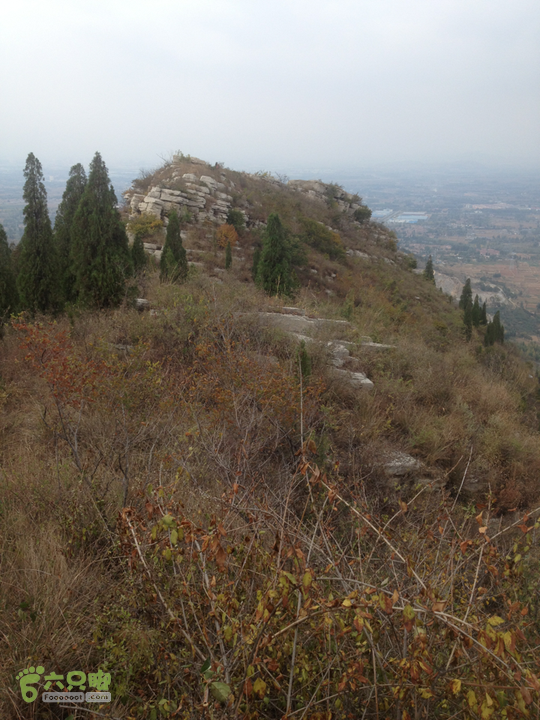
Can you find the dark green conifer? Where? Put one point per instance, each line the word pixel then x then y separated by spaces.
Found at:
pixel 237 220
pixel 37 279
pixel 228 256
pixel 173 263
pixel 274 271
pixel 428 270
pixel 466 295
pixel 9 297
pixel 498 328
pixel 494 331
pixel 63 227
pixel 101 260
pixel 476 312
pixel 483 315
pixel 468 321
pixel 138 255
pixel 255 265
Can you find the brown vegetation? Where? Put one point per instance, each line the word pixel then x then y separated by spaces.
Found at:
pixel 181 508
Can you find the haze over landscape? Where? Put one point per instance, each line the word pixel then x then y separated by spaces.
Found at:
pixel 281 85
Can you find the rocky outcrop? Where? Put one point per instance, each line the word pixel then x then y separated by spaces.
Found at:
pixel 342 366
pixel 327 193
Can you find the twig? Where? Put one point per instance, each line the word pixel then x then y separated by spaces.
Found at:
pixel 173 617
pixel 463 478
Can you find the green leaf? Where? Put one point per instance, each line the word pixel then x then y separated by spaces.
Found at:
pixel 290 577
pixel 167 520
pixel 174 537
pixel 259 687
pixel 206 665
pixel 408 613
pixel 220 691
pixel 495 620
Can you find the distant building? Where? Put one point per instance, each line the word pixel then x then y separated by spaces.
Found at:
pixel 410 217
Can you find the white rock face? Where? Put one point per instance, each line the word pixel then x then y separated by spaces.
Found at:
pixel 398 464
pixel 339 354
pixel 356 380
pixel 210 181
pixel 357 253
pixel 190 177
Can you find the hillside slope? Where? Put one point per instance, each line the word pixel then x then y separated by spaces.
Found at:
pixel 238 505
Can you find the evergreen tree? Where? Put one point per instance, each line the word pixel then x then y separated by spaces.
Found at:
pixel 228 256
pixel 63 227
pixel 428 270
pixel 138 255
pixel 476 312
pixel 498 328
pixel 237 220
pixel 468 321
pixel 9 297
pixel 274 271
pixel 466 295
pixel 37 278
pixel 483 316
pixel 173 263
pixel 494 331
pixel 100 254
pixel 255 265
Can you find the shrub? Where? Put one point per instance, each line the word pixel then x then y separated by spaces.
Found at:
pixel 226 234
pixel 236 219
pixel 362 214
pixel 144 226
pixel 319 237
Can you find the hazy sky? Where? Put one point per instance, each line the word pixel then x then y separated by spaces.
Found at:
pixel 271 84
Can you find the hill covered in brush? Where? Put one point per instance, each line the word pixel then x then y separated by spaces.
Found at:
pixel 314 500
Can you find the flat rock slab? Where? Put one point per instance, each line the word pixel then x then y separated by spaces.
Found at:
pixel 302 324
pixel 355 380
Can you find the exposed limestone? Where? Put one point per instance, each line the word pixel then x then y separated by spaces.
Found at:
pixel 358 253
pixel 341 365
pixel 398 464
pixel 355 380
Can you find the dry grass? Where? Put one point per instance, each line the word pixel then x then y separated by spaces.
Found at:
pixel 210 415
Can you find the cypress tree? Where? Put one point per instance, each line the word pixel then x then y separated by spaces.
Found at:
pixel 468 321
pixel 494 331
pixel 466 295
pixel 9 297
pixel 100 254
pixel 476 312
pixel 228 256
pixel 138 255
pixel 483 315
pixel 274 271
pixel 37 278
pixel 237 220
pixel 498 328
pixel 428 270
pixel 256 259
pixel 173 263
pixel 63 228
